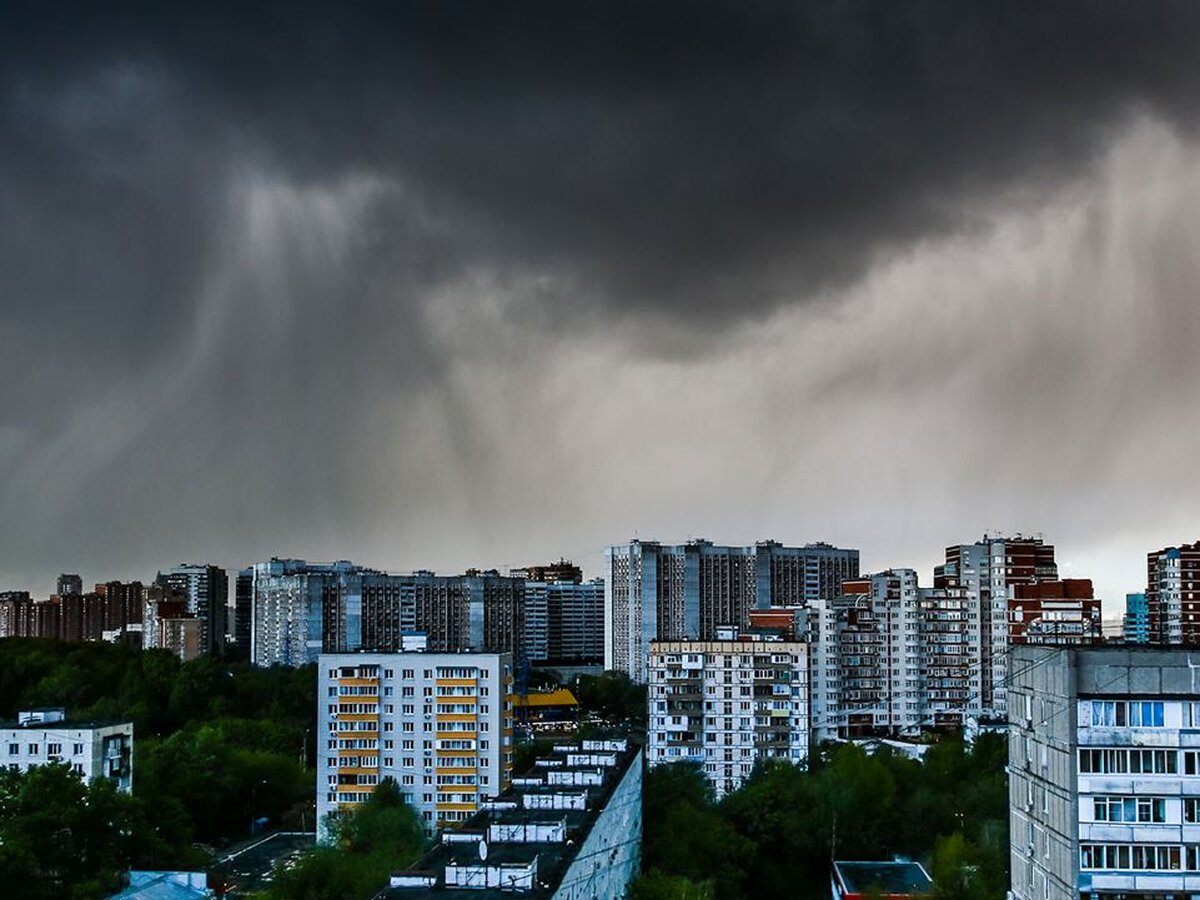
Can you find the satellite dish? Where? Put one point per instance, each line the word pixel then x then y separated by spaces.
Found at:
pixel 482 849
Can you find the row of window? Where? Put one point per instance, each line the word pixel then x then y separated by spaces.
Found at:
pixel 1142 809
pixel 1134 762
pixel 1140 857
pixel 52 749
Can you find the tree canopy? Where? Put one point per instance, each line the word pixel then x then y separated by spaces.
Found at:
pixel 778 833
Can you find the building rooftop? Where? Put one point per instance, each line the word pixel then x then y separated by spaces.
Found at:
pixel 526 843
pixel 536 699
pixel 52 722
pixel 891 879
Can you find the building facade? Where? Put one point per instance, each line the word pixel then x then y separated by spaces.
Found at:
pixel 564 622
pixel 1104 763
pixel 302 609
pixel 688 591
pixel 1173 594
pixel 91 749
pixel 1136 623
pixel 439 724
pixel 207 591
pixel 727 703
pixel 987 572
pixel 1054 612
pixel 242 613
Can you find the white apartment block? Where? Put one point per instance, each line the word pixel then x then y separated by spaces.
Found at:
pixel 91 749
pixel 1104 757
pixel 438 724
pixel 727 703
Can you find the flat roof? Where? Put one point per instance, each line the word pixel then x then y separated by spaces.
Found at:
pixel 553 859
pixel 893 878
pixel 60 724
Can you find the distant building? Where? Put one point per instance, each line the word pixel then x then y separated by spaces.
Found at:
pixel 563 570
pixel 880 880
pixel 303 609
pixel 439 724
pixel 987 572
pixel 564 622
pixel 1054 612
pixel 726 703
pixel 659 592
pixel 69 584
pixel 91 749
pixel 1136 627
pixel 570 829
pixel 243 612
pixel 207 590
pixel 1172 595
pixel 15 613
pixel 1104 773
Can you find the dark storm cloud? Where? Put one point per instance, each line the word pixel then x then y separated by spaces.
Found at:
pixel 300 278
pixel 714 158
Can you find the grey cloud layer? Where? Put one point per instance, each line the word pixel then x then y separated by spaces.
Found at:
pixel 253 265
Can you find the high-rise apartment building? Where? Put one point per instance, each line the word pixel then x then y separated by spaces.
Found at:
pixel 687 591
pixel 878 654
pixel 302 609
pixel 207 590
pixel 91 749
pixel 69 584
pixel 1104 783
pixel 727 703
pixel 1136 624
pixel 564 622
pixel 438 724
pixel 1173 594
pixel 243 605
pixel 988 570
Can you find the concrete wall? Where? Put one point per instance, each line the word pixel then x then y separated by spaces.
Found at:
pixel 610 857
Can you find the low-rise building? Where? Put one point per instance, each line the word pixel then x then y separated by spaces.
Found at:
pixel 439 724
pixel 91 749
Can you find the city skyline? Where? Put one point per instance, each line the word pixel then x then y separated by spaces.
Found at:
pixel 529 284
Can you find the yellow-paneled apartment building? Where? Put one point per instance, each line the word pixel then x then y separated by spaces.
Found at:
pixel 439 724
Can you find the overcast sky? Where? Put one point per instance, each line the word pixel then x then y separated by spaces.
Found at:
pixel 442 286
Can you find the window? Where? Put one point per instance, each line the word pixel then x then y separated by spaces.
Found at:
pixel 1146 714
pixel 1130 809
pixel 14 749
pixel 77 749
pixel 33 749
pixel 1132 713
pixel 1191 809
pixel 54 749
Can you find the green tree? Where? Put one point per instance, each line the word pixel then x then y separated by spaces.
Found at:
pixel 62 838
pixel 377 838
